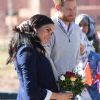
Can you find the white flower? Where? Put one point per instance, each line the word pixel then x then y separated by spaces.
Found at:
pixel 79 67
pixel 78 97
pixel 62 77
pixel 81 73
pixel 79 70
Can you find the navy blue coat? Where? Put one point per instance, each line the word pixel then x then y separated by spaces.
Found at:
pixel 35 74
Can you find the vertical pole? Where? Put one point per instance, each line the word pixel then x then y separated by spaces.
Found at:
pixel 10 14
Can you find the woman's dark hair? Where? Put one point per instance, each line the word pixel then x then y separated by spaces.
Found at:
pixel 28 36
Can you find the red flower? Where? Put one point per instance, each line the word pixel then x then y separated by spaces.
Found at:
pixel 70 74
pixel 71 82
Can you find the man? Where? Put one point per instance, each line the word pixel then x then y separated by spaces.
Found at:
pixel 64 46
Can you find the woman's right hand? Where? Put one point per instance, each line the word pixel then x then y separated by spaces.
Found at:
pixel 65 96
pixel 62 96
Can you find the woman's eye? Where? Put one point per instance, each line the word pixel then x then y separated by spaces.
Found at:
pixel 48 30
pixel 80 25
pixel 51 33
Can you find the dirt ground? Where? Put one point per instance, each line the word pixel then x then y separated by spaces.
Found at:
pixel 8 77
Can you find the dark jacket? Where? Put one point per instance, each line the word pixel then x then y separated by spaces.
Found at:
pixel 35 74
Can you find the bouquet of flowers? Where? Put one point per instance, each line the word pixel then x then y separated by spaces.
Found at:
pixel 71 82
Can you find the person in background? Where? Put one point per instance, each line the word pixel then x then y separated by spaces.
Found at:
pixel 34 70
pixel 87 25
pixel 82 21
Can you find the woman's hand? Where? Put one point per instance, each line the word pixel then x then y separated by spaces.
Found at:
pixel 62 96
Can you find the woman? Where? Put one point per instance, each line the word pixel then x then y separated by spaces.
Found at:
pixel 87 25
pixel 34 70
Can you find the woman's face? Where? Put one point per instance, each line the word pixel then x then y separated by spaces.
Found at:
pixel 84 27
pixel 45 32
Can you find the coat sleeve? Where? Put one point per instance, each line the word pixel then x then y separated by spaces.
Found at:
pixel 27 59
